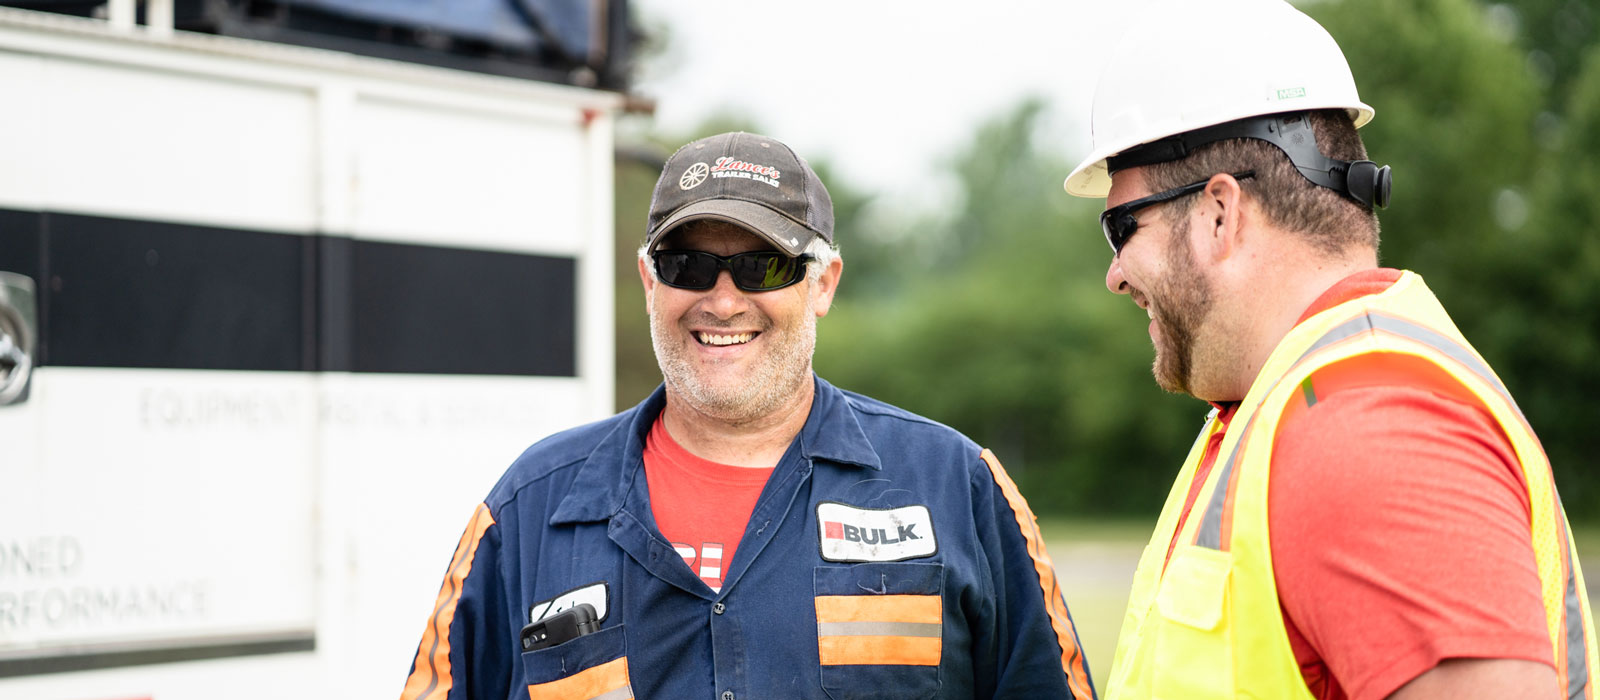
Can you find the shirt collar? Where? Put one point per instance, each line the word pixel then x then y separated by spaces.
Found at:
pixel 1360 284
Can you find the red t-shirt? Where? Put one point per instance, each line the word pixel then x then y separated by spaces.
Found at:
pixel 1400 534
pixel 701 507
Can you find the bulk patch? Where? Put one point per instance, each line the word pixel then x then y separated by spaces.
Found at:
pixel 850 534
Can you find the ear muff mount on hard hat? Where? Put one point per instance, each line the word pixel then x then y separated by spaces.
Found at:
pixel 1363 180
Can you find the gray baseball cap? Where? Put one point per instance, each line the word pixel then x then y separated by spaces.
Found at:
pixel 749 180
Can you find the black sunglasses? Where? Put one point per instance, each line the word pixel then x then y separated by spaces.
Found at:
pixel 761 271
pixel 1119 223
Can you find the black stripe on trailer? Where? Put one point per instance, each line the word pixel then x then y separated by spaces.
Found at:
pixel 94 657
pixel 116 292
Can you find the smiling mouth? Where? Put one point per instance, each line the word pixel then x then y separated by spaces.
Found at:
pixel 721 339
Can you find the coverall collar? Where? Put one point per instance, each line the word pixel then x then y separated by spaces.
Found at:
pixel 831 434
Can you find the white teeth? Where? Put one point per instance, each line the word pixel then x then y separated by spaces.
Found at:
pixel 735 339
pixel 1151 312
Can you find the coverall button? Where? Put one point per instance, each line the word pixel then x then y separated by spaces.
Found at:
pixel 727 695
pixel 718 608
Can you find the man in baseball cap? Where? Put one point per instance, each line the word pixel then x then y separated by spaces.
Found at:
pixel 1366 514
pixel 749 530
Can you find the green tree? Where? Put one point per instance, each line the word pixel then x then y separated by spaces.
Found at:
pixel 1551 335
pixel 1490 124
pixel 1556 35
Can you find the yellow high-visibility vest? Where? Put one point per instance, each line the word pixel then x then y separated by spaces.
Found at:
pixel 1210 626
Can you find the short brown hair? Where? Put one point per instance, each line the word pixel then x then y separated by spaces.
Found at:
pixel 1330 221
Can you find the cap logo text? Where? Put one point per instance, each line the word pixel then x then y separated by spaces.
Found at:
pixel 732 167
pixel 692 177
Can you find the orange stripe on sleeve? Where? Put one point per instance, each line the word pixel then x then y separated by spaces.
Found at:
pixel 589 683
pixel 1072 661
pixel 430 673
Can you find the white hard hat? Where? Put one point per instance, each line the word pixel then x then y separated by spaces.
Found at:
pixel 1186 64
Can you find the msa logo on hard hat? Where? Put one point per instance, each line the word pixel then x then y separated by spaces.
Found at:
pixel 849 534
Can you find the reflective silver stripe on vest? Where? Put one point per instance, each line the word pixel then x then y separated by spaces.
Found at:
pixel 1577 643
pixel 1449 348
pixel 1210 534
pixel 1577 651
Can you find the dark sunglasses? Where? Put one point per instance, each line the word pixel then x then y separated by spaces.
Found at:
pixel 761 271
pixel 1119 223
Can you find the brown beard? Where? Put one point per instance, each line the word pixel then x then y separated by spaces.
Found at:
pixel 1181 303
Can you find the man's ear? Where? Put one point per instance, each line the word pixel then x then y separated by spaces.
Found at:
pixel 822 290
pixel 1222 207
pixel 649 284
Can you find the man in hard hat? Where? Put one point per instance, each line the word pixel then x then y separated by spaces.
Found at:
pixel 749 531
pixel 1409 542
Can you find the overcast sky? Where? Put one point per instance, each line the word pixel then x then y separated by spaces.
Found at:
pixel 886 90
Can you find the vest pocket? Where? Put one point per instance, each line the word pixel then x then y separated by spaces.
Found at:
pixel 591 667
pixel 880 630
pixel 1193 637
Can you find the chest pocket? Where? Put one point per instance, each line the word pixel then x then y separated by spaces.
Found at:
pixel 1193 637
pixel 880 629
pixel 591 667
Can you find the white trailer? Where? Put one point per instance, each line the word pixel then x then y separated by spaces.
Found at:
pixel 278 318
